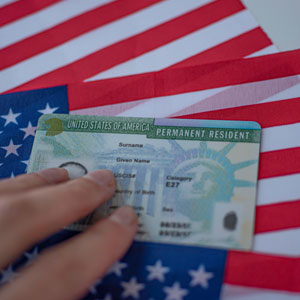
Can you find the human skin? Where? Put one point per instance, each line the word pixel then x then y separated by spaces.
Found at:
pixel 33 206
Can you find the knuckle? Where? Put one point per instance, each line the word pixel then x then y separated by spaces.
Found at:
pixel 30 179
pixel 36 177
pixel 79 197
pixel 84 187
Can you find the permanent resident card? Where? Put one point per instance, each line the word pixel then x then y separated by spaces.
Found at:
pixel 189 181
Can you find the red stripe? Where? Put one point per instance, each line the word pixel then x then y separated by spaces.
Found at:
pixel 69 29
pixel 238 47
pixel 277 216
pixel 279 163
pixel 263 271
pixel 182 80
pixel 21 9
pixel 146 41
pixel 266 114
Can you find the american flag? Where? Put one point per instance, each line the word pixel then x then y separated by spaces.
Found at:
pixel 197 45
pixel 53 42
pixel 271 269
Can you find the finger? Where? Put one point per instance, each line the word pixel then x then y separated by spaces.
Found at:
pixel 26 182
pixel 79 261
pixel 29 217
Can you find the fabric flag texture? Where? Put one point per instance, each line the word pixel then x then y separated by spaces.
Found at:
pixel 53 42
pixel 157 58
pixel 263 89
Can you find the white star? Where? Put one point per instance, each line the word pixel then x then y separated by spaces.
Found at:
pixel 117 268
pixel 11 148
pixel 31 256
pixel 25 162
pixel 29 130
pixel 175 292
pixel 132 288
pixel 48 109
pixel 8 275
pixel 107 297
pixel 200 277
pixel 12 175
pixel 10 117
pixel 93 288
pixel 157 271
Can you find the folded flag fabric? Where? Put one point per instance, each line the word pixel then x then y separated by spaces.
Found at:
pixel 262 89
pixel 54 42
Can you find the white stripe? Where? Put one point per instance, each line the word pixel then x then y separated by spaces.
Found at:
pixel 163 106
pixel 184 47
pixel 235 292
pixel 6 2
pixel 172 105
pixel 280 137
pixel 45 19
pixel 265 51
pixel 283 242
pixel 290 93
pixel 278 189
pixel 95 40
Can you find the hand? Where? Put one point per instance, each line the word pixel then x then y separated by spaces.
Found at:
pixel 36 205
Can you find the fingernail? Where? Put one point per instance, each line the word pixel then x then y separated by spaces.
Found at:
pixel 124 215
pixel 102 177
pixel 54 175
